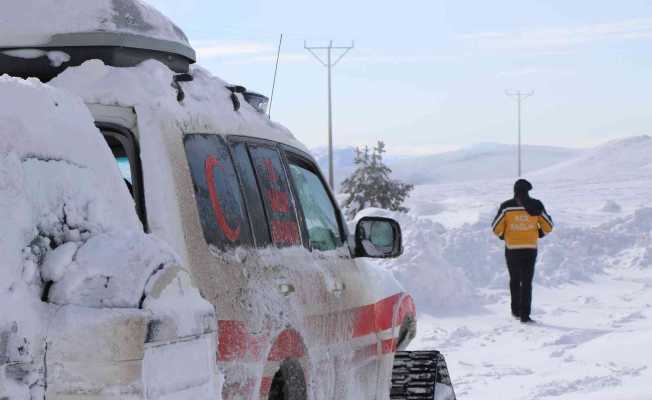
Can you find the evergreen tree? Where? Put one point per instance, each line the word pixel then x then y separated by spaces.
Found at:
pixel 370 184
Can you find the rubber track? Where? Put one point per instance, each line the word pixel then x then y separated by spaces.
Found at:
pixel 415 374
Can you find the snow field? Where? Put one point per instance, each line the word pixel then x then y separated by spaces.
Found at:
pixel 591 342
pixel 592 293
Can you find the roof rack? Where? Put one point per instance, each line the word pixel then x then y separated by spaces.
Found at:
pixel 118 49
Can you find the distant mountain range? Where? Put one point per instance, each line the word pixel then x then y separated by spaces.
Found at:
pixel 476 162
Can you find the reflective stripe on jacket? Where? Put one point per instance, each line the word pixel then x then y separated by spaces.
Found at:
pixel 520 229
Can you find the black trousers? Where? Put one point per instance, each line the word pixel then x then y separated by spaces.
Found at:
pixel 520 263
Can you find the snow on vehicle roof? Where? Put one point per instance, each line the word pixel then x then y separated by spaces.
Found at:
pixel 34 23
pixel 148 88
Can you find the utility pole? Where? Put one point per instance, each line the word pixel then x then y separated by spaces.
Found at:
pixel 520 96
pixel 329 64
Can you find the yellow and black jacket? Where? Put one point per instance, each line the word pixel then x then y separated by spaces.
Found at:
pixel 519 227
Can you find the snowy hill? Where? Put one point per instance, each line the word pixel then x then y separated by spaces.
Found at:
pixel 479 162
pixel 342 156
pixel 584 186
pixel 476 162
pixel 629 158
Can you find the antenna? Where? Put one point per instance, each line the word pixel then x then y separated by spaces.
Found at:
pixel 278 57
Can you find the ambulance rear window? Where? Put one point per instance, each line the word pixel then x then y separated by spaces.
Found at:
pixel 124 147
pixel 217 191
pixel 125 168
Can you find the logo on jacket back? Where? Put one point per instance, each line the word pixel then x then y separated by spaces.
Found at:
pixel 522 223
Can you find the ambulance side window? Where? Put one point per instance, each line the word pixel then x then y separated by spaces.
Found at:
pixel 319 212
pixel 252 195
pixel 275 190
pixel 217 191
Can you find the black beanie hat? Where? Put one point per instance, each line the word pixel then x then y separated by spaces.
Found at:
pixel 522 186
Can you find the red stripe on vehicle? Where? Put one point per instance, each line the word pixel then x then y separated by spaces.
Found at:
pixel 406 308
pixel 374 317
pixel 388 346
pixel 236 344
pixel 385 313
pixel 364 320
pixel 288 345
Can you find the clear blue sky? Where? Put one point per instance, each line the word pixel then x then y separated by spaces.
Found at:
pixel 431 74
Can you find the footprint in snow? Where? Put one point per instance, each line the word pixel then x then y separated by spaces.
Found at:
pixel 635 316
pixel 586 384
pixel 436 334
pixel 575 338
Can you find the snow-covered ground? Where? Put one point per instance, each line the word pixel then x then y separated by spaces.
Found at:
pixel 592 342
pixel 593 286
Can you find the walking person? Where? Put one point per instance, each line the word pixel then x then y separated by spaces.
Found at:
pixel 521 222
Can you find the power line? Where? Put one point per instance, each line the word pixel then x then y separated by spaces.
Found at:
pixel 520 96
pixel 329 64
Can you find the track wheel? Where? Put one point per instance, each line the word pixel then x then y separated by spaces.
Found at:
pixel 421 375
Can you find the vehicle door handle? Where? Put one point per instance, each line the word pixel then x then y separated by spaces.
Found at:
pixel 286 289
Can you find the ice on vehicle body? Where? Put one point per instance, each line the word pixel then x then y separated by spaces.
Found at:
pixel 68 215
pixel 249 278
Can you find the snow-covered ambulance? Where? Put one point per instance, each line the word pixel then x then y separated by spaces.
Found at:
pixel 296 311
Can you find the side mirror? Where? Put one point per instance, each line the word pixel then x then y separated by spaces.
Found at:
pixel 377 237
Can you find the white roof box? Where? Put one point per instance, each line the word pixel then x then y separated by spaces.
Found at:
pixel 40 38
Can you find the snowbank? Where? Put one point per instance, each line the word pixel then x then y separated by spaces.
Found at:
pixel 436 285
pixel 48 18
pixel 611 206
pixel 569 254
pixel 447 270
